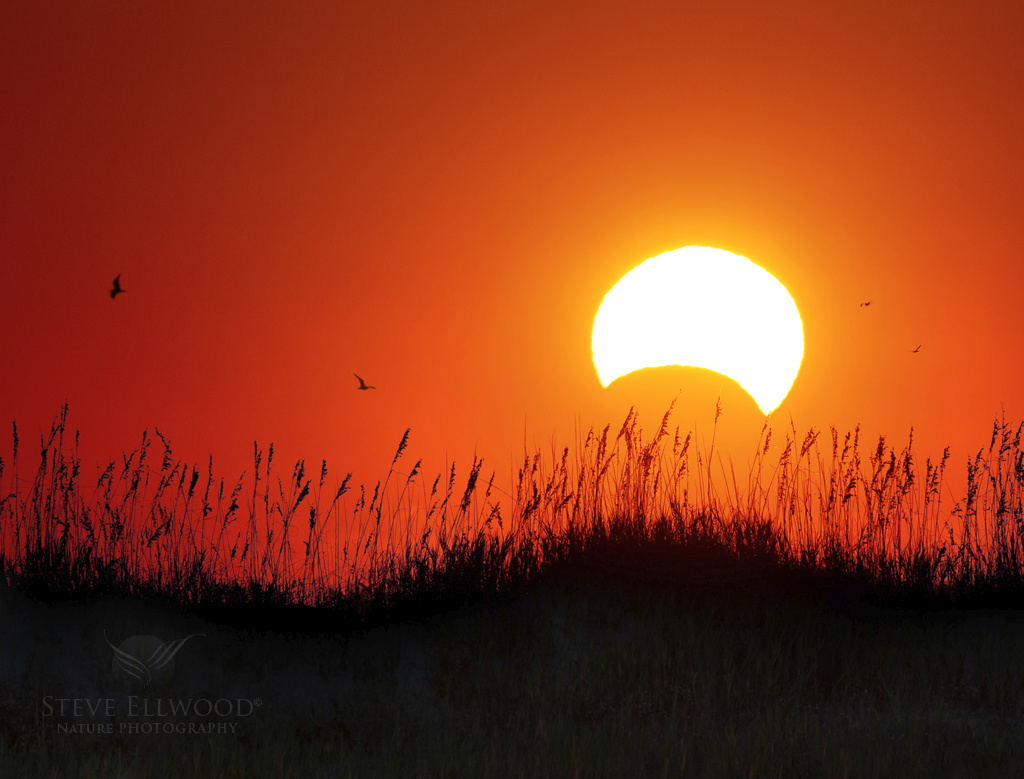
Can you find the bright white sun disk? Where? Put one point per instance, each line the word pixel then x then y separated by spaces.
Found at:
pixel 706 308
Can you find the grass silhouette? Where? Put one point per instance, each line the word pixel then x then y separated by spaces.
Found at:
pixel 631 608
pixel 167 530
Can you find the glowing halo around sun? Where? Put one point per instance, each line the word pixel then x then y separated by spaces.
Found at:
pixel 706 308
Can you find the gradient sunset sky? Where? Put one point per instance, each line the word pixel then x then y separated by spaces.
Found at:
pixel 438 195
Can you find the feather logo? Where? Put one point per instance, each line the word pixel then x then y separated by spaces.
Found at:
pixel 146 658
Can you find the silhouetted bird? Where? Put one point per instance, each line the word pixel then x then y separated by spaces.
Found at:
pixel 915 351
pixel 362 384
pixel 866 304
pixel 117 287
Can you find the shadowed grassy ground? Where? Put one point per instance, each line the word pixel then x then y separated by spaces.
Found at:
pixel 620 618
pixel 593 677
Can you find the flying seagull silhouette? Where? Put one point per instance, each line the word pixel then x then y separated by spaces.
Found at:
pixel 362 384
pixel 117 287
pixel 866 304
pixel 915 351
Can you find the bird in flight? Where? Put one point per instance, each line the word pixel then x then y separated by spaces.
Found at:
pixel 362 384
pixel 117 287
pixel 915 351
pixel 866 304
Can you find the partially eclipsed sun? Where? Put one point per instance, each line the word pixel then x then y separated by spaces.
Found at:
pixel 706 308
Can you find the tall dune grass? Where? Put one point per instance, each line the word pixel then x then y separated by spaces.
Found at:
pixel 152 525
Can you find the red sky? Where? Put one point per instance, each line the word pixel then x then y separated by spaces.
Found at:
pixel 438 195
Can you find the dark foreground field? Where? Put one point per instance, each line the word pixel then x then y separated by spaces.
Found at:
pixel 618 617
pixel 605 675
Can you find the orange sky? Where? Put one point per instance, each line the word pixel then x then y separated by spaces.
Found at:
pixel 438 195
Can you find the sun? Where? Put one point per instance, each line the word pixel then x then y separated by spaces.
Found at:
pixel 706 308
